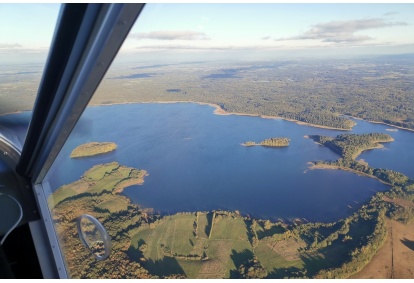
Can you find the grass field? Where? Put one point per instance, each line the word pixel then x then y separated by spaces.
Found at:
pixel 92 148
pixel 115 204
pixel 98 172
pixel 204 225
pixel 227 248
pixel 275 264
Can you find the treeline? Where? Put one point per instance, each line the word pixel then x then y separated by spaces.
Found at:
pixel 361 253
pixel 388 176
pixel 320 118
pixel 349 146
pixel 347 245
pixel 252 269
pixel 409 123
pixel 314 92
pixel 272 142
pixel 167 251
pixel 275 142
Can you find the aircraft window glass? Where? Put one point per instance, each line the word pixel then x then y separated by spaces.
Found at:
pixel 24 46
pixel 183 192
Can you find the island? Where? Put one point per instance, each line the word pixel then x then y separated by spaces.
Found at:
pixel 92 148
pixel 272 142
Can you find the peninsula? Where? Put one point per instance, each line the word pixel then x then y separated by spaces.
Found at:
pixel 272 142
pixel 351 145
pixel 92 148
pixel 103 178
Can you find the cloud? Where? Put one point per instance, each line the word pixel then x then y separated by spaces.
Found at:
pixel 390 14
pixel 9 45
pixel 206 48
pixel 343 31
pixel 171 35
pixel 265 37
pixel 184 47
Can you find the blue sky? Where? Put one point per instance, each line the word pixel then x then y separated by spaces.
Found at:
pixel 250 31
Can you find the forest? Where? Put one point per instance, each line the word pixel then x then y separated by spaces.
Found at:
pixel 271 142
pixel 320 92
pixel 349 146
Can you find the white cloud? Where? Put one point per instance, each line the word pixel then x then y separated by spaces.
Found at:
pixel 171 35
pixel 343 31
pixel 390 14
pixel 9 45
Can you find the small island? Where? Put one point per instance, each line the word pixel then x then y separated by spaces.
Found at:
pixel 92 148
pixel 272 142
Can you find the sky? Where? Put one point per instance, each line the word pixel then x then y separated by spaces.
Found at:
pixel 230 31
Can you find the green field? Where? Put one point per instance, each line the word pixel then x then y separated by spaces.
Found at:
pixel 114 205
pixel 103 178
pixel 98 172
pixel 227 248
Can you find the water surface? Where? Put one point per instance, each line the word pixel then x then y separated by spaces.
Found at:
pixel 196 162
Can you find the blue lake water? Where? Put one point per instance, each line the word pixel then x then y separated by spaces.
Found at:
pixel 195 161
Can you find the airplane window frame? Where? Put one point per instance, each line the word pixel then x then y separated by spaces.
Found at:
pixel 91 45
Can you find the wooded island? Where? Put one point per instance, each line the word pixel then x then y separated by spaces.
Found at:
pixel 272 142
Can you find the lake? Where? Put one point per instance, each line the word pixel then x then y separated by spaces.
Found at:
pixel 196 162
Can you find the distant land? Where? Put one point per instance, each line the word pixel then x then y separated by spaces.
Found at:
pixel 317 92
pixel 92 148
pixel 272 142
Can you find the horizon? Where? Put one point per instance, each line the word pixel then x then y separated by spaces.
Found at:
pixel 245 32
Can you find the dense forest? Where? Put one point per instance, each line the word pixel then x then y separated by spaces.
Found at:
pixel 316 92
pixel 349 146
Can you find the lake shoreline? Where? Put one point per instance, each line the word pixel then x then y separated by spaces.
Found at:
pixel 314 166
pixel 382 123
pixel 220 111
